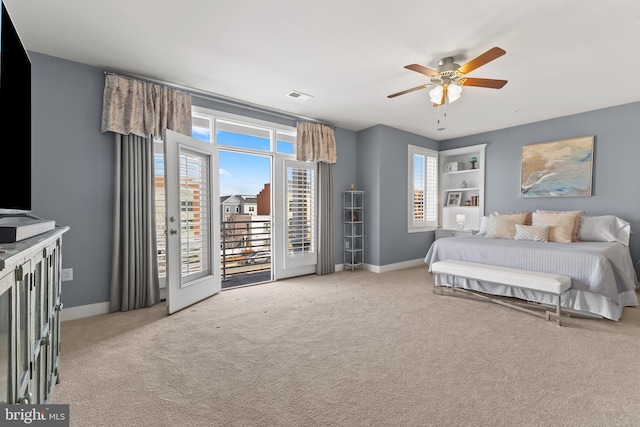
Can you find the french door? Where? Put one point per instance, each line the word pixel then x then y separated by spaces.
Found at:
pixel 192 220
pixel 295 218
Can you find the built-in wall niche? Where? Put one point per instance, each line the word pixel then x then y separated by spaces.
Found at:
pixel 462 186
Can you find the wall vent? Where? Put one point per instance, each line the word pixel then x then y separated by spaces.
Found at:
pixel 299 95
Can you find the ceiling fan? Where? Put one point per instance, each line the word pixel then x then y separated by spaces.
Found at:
pixel 450 77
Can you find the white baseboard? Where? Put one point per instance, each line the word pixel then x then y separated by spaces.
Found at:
pixel 388 267
pixel 81 311
pixel 396 266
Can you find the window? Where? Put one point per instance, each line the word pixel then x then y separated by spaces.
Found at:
pixel 423 189
pixel 241 136
pixel 300 210
pixel 194 219
pixel 158 158
pixel 242 133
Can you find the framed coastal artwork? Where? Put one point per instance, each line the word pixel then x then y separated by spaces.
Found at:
pixel 557 168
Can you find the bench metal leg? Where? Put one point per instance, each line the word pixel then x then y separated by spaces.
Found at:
pixel 556 314
pixel 453 291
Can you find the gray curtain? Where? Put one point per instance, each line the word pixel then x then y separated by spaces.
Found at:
pixel 135 111
pixel 317 143
pixel 326 262
pixel 134 274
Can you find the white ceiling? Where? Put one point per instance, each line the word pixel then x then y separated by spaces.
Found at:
pixel 563 56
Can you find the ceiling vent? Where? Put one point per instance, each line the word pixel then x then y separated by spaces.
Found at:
pixel 299 95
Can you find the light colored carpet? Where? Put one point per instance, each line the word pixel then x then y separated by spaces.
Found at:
pixel 349 349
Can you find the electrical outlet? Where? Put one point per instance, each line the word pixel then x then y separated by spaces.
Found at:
pixel 67 274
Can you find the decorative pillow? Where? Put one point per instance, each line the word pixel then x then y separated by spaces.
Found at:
pixel 484 225
pixel 531 232
pixel 504 226
pixel 576 224
pixel 605 228
pixel 560 225
pixel 527 218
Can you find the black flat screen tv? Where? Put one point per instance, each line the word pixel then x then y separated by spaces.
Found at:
pixel 15 117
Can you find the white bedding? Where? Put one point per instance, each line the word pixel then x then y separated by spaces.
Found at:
pixel 603 280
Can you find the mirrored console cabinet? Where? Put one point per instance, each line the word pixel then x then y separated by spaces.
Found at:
pixel 30 277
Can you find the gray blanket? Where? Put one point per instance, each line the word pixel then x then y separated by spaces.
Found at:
pixel 598 267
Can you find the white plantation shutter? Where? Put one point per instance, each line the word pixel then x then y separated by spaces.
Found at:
pixel 195 223
pixel 423 189
pixel 431 205
pixel 419 188
pixel 300 210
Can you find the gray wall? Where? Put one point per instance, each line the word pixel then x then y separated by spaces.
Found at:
pixel 616 165
pixel 382 174
pixel 344 174
pixel 73 172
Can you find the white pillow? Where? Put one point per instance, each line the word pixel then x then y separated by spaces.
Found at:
pixel 484 225
pixel 532 232
pixel 605 228
pixel 503 226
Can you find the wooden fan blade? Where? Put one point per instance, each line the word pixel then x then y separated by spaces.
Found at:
pixel 408 90
pixel 486 57
pixel 490 83
pixel 423 70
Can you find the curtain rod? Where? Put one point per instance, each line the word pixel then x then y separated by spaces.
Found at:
pixel 222 99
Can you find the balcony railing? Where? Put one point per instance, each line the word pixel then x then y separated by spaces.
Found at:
pixel 245 250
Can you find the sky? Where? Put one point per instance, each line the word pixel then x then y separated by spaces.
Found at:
pixel 240 173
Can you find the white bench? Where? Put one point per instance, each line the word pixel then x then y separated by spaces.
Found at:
pixel 555 284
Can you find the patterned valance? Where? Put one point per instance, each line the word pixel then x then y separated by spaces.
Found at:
pixel 135 107
pixel 316 143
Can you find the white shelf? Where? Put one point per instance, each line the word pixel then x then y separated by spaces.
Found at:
pixel 462 171
pixel 463 189
pixel 353 217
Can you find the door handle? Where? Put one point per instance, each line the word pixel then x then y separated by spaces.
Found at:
pixel 173 231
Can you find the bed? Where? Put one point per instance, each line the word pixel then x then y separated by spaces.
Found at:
pixel 603 278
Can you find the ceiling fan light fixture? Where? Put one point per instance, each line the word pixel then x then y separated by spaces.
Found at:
pixel 454 91
pixel 435 94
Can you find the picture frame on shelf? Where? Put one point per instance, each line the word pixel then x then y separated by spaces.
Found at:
pixel 454 198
